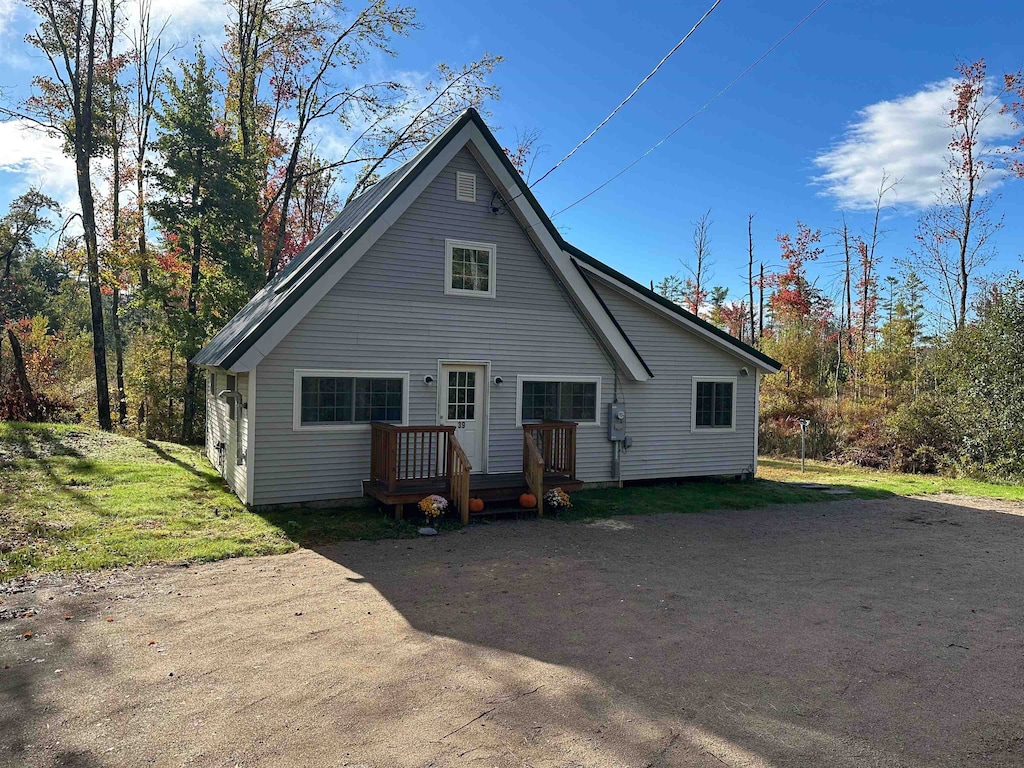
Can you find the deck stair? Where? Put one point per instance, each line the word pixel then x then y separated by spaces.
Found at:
pixel 408 463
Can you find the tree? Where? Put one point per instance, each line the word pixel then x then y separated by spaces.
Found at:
pixel 979 386
pixel 299 46
pixel 207 208
pixel 24 221
pixel 750 276
pixel 671 287
pixel 68 103
pixel 953 236
pixel 696 285
pixel 1013 85
pixel 148 55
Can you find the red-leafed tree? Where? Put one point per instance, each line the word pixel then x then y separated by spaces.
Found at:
pixel 1013 105
pixel 793 295
pixel 953 238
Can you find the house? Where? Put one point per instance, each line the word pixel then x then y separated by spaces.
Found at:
pixel 441 335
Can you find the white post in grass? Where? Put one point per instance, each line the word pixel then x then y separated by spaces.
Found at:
pixel 803 442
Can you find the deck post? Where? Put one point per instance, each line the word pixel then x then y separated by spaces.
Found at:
pixel 398 511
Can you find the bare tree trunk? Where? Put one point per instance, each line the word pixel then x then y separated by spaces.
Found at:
pixel 288 185
pixel 115 226
pixel 750 276
pixel 846 329
pixel 191 395
pixel 760 304
pixel 83 142
pixel 702 251
pixel 20 371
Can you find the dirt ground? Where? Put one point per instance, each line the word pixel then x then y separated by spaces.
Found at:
pixel 848 633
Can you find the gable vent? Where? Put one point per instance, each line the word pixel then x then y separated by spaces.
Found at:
pixel 465 187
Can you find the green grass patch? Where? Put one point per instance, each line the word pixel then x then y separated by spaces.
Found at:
pixel 861 480
pixel 778 482
pixel 73 498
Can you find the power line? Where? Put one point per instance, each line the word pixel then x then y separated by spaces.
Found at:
pixel 688 120
pixel 640 85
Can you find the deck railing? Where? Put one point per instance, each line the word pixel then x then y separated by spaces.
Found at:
pixel 458 478
pixel 556 444
pixel 409 454
pixel 533 470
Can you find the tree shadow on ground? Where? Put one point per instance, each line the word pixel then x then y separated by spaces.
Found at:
pixel 884 632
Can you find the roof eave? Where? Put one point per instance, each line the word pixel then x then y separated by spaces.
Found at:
pixel 726 340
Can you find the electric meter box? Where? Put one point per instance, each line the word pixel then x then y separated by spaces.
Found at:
pixel 616 422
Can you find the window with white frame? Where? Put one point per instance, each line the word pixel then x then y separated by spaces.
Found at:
pixel 555 398
pixel 714 403
pixel 348 398
pixel 469 268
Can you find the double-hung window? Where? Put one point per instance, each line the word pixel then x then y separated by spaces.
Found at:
pixel 559 399
pixel 714 403
pixel 469 268
pixel 347 398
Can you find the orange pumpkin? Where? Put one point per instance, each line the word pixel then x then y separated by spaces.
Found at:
pixel 527 501
pixel 476 505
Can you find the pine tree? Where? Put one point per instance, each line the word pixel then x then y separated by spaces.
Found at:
pixel 206 213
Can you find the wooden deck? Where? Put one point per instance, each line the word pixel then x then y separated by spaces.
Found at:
pixel 408 463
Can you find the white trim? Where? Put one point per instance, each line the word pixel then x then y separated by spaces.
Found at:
pixel 298 426
pixel 510 189
pixel 533 223
pixel 486 365
pixel 492 277
pixel 250 442
pixel 757 417
pixel 678 319
pixel 693 403
pixel 520 379
pixel 263 346
pixel 459 177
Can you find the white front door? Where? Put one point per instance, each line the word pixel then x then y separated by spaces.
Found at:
pixel 462 405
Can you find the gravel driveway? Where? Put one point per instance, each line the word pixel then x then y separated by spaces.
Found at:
pixel 848 633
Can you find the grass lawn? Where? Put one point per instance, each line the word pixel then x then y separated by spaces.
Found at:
pixel 74 498
pixel 777 483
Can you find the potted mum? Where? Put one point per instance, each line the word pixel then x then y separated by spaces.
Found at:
pixel 557 499
pixel 432 507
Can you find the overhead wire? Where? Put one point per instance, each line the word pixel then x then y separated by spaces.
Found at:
pixel 690 119
pixel 633 93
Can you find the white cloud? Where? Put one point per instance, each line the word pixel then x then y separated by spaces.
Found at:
pixel 35 158
pixel 7 8
pixel 907 138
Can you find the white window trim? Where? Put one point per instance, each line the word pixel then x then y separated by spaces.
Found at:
pixel 492 272
pixel 693 403
pixel 521 379
pixel 459 176
pixel 361 426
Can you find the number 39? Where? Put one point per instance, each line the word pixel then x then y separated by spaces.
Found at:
pixel 460 424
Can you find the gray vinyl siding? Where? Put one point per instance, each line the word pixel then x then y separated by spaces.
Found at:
pixel 220 428
pixel 390 313
pixel 658 414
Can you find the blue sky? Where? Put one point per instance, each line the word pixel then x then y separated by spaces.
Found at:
pixel 753 151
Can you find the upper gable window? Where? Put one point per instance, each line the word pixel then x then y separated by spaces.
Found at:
pixel 465 187
pixel 469 268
